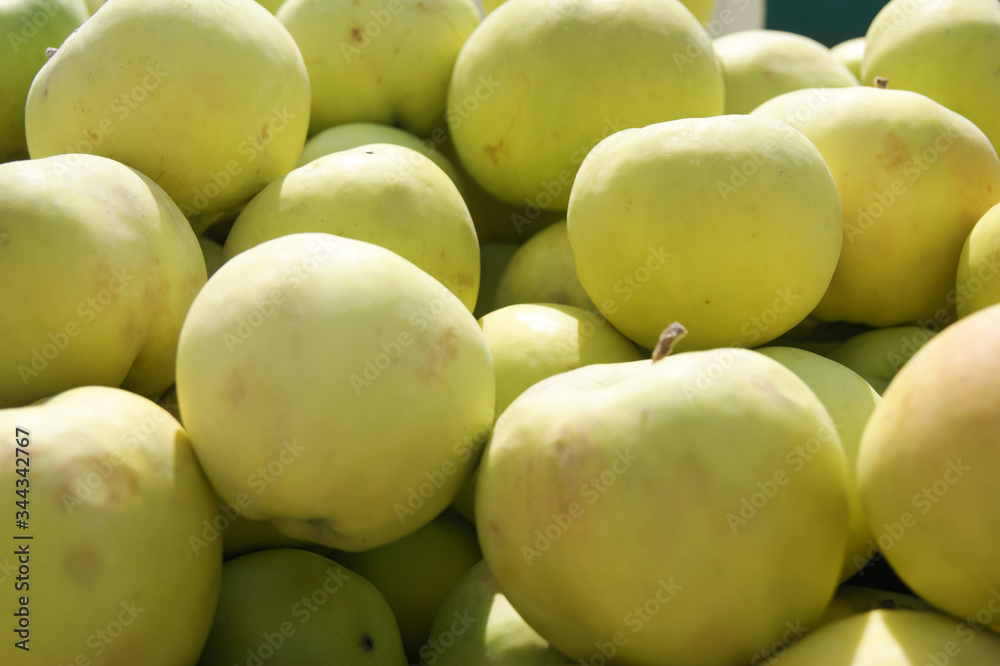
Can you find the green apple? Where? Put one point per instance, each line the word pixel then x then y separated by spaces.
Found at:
pixel 852 600
pixel 383 194
pixel 242 536
pixel 380 61
pixel 533 341
pixel 344 389
pixel 850 401
pixel 415 573
pixel 493 259
pixel 355 135
pixel 880 354
pixel 288 607
pixel 543 271
pixel 759 65
pixel 695 466
pixel 928 467
pixel 475 625
pixel 272 5
pixel 818 337
pixel 914 178
pixel 110 492
pixel 524 108
pixel 850 53
pixel 213 255
pixel 99 267
pixel 165 87
pixel 948 50
pixel 730 225
pixel 895 638
pixel 29 28
pixel 976 286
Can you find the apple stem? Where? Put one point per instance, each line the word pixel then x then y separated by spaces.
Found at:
pixel 881 83
pixel 668 340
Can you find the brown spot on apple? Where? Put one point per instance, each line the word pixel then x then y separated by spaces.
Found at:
pixel 356 33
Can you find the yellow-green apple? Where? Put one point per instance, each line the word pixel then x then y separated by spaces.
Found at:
pixel 976 285
pixel 289 607
pixel 520 119
pixel 94 5
pixel 850 401
pixel 532 341
pixel 415 573
pixel 293 367
pixel 271 5
pixel 759 65
pixel 380 61
pixel 850 53
pixel 914 178
pixel 242 536
pixel 880 354
pixel 107 491
pixel 475 624
pixel 543 271
pixel 29 27
pixel 355 135
pixel 719 473
pixel 948 50
pixel 383 194
pixel 702 9
pixel 99 267
pixel 818 337
pixel 853 600
pixel 209 99
pixel 662 218
pixel 493 259
pixel 895 638
pixel 928 466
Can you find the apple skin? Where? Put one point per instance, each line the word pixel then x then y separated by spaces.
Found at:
pixel 383 194
pixel 493 259
pixel 491 633
pixel 100 272
pixel 850 401
pixel 115 494
pixel 759 65
pixel 24 55
pixel 313 610
pixel 162 86
pixel 880 354
pixel 948 50
pixel 355 135
pixel 644 458
pixel 914 178
pixel 780 230
pixel 415 573
pixel 377 61
pixel 852 600
pixel 894 638
pixel 976 284
pixel 519 116
pixel 702 9
pixel 543 271
pixel 297 355
pixel 851 53
pixel 929 452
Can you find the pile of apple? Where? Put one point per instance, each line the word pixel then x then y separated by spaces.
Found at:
pixel 377 332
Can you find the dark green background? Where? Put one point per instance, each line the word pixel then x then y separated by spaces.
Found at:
pixel 826 21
